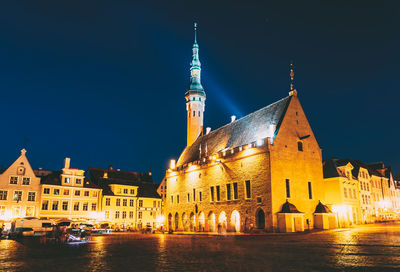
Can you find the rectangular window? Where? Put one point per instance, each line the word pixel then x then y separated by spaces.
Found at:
pixel 131 203
pixel 140 203
pixel 125 191
pixel 212 194
pixel 132 191
pixel 78 181
pixel 140 215
pixel 46 191
pixel 108 201
pixel 76 206
pixel 345 192
pixel 26 181
pixel 172 199
pixel 86 193
pixel 218 193
pixel 31 196
pixel 3 195
pixel 125 202
pixel 107 214
pixel 54 207
pixel 85 206
pixel 117 215
pixel 154 204
pixel 45 205
pixel 118 202
pixel 309 190
pixel 287 188
pixel 13 180
pixel 350 196
pixel 177 199
pixel 17 195
pixel 131 214
pixel 65 205
pixel 56 192
pixel 94 206
pixel 228 191
pixel 194 195
pixel 354 193
pixel 77 193
pixel 188 197
pixel 248 189
pixel 67 180
pixel 66 192
pixel 235 191
pixel 124 214
pixel 200 197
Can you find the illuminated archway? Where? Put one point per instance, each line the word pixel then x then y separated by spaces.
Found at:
pixel 184 221
pixel 176 221
pixel 211 222
pixel 202 222
pixel 192 222
pixel 222 222
pixel 235 221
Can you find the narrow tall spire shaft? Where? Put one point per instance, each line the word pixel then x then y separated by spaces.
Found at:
pixel 291 76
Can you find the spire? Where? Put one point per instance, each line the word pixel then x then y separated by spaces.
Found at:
pixel 195 66
pixel 291 76
pixel 293 91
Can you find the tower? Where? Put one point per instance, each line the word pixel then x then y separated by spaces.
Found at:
pixel 195 96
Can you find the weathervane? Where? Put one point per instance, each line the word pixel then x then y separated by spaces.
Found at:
pixel 195 32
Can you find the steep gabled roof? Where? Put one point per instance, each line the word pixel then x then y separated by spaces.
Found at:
pixel 260 124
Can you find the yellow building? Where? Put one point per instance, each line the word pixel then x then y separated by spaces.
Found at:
pixel 263 171
pixel 68 194
pixel 129 200
pixel 342 193
pixel 19 190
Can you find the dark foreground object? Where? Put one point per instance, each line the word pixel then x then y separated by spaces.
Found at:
pixel 365 248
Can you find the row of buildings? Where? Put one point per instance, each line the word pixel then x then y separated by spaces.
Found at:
pixel 265 171
pixel 111 197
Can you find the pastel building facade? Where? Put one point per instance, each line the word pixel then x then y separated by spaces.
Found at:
pixel 19 190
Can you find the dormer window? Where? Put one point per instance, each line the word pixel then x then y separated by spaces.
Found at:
pixel 299 146
pixel 78 181
pixel 67 180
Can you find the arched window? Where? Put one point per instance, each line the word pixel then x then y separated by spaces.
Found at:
pixel 300 146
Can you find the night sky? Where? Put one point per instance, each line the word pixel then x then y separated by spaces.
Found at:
pixel 103 82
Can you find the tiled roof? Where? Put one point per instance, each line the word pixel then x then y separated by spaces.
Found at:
pixel 288 207
pixel 248 129
pixel 54 178
pixel 321 208
pixel 143 180
pixel 330 167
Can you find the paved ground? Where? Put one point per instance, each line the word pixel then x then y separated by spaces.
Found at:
pixel 365 248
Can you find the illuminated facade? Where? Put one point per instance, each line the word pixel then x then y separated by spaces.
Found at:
pixel 68 194
pixel 19 190
pixel 263 171
pixel 129 199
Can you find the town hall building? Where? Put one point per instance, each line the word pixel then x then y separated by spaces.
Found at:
pixel 262 171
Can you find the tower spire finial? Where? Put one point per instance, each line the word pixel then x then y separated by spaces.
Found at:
pixel 291 76
pixel 195 32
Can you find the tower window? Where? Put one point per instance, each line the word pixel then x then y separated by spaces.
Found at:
pixel 199 113
pixel 309 190
pixel 287 188
pixel 300 146
pixel 194 114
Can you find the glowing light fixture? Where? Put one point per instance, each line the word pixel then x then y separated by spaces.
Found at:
pixel 259 142
pixel 172 164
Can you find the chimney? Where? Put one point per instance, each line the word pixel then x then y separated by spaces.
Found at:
pixel 233 118
pixel 67 162
pixel 208 129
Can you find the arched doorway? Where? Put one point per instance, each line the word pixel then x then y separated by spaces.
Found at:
pixel 170 221
pixel 235 221
pixel 211 222
pixel 176 221
pixel 192 222
pixel 185 221
pixel 222 222
pixel 260 219
pixel 202 221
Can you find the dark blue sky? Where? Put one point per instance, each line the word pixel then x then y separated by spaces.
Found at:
pixel 103 82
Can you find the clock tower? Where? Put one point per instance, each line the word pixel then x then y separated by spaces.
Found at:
pixel 195 96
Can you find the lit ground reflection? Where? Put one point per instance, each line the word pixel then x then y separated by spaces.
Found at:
pixel 365 248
